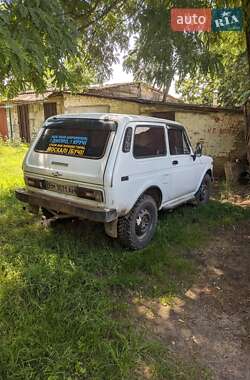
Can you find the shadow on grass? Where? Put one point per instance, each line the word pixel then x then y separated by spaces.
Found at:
pixel 65 292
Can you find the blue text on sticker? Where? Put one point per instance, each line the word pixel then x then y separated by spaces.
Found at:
pixel 71 140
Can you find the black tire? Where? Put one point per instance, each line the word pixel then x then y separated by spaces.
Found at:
pixel 136 229
pixel 203 194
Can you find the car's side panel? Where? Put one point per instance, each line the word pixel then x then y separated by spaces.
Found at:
pixel 184 171
pixel 206 164
pixel 113 156
pixel 132 176
pixel 183 176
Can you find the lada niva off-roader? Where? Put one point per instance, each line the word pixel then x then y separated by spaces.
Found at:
pixel 115 169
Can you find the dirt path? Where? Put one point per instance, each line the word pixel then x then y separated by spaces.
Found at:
pixel 211 324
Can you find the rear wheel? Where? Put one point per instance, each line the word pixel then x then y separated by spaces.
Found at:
pixel 136 229
pixel 204 192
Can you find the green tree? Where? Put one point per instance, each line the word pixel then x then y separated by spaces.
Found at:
pixel 204 62
pixel 230 85
pixel 246 8
pixel 159 53
pixel 58 42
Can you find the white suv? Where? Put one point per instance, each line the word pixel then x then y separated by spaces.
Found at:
pixel 115 169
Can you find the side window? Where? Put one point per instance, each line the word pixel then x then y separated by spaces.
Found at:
pixel 149 141
pixel 178 143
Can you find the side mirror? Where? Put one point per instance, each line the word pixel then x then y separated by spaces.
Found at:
pixel 198 150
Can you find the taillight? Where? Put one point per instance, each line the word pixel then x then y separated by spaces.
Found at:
pixel 94 195
pixel 35 182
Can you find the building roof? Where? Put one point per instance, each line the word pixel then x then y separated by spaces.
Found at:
pixel 131 92
pixel 171 105
pixel 29 97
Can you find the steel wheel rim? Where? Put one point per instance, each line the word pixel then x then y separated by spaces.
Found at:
pixel 143 223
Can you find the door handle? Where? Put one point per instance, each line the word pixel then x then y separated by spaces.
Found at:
pixel 175 162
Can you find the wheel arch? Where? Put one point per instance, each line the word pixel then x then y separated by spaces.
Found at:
pixel 156 193
pixel 209 172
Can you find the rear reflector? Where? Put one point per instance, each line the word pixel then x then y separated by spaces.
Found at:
pixel 35 182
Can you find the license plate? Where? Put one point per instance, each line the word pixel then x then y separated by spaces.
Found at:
pixel 58 188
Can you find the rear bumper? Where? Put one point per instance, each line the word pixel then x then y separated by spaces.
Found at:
pixel 66 206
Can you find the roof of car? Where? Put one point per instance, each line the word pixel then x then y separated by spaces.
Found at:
pixel 116 117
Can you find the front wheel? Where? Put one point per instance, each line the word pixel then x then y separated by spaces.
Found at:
pixel 136 229
pixel 203 194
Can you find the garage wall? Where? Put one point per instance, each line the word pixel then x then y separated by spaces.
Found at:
pixel 96 104
pixel 222 134
pixel 84 109
pixel 36 116
pixel 14 120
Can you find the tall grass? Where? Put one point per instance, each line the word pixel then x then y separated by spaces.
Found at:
pixel 65 293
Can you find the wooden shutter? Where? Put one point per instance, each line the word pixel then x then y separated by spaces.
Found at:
pixel 49 110
pixel 23 121
pixel 3 124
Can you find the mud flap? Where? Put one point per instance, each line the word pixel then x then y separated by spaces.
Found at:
pixel 111 228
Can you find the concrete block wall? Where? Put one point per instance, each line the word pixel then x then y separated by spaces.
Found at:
pixel 222 134
pixel 14 122
pixel 36 117
pixel 114 106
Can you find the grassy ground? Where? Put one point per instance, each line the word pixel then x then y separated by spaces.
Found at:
pixel 65 293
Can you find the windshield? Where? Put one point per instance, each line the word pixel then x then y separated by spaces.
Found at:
pixel 86 138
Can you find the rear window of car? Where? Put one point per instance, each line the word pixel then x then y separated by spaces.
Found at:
pixel 85 138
